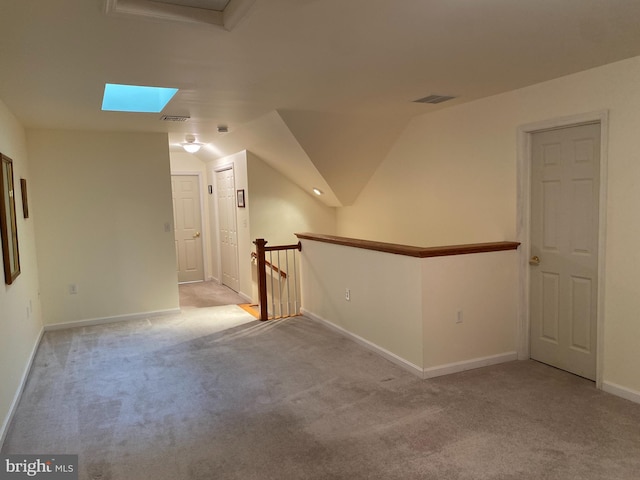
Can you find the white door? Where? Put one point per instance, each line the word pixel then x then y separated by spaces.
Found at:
pixel 563 262
pixel 188 227
pixel 227 224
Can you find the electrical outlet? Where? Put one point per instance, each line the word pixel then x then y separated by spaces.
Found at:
pixel 347 295
pixel 459 316
pixel 73 289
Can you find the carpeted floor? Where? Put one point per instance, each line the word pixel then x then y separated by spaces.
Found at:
pixel 178 398
pixel 207 294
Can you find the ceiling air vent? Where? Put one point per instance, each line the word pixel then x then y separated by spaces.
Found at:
pixel 433 99
pixel 174 118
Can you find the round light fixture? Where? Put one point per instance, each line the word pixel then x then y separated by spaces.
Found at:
pixel 190 145
pixel 317 191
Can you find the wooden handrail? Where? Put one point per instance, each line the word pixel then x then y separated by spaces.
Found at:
pixel 282 273
pixel 411 251
pixel 297 246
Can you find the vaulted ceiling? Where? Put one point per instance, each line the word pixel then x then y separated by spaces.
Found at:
pixel 320 89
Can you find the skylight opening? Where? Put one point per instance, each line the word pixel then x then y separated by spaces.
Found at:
pixel 136 98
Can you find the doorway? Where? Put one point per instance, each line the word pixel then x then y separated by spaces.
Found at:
pixel 562 175
pixel 227 227
pixel 187 220
pixel 565 180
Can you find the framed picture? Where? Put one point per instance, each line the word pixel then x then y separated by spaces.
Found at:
pixel 240 196
pixel 8 225
pixel 25 202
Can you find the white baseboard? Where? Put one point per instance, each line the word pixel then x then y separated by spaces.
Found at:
pixel 401 362
pixel 621 391
pixel 456 367
pixel 104 320
pixel 4 429
pixel 430 372
pixel 246 297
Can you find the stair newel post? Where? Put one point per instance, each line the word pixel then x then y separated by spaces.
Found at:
pixel 260 243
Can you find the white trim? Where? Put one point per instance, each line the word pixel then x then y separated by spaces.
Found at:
pixel 522 235
pixel 206 269
pixel 425 373
pixel 114 319
pixel 214 183
pixel 218 169
pixel 227 19
pixel 245 296
pixel 16 398
pixel 401 362
pixel 456 367
pixel 523 224
pixel 620 391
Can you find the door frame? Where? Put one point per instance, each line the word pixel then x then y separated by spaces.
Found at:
pixel 203 231
pixel 523 225
pixel 216 170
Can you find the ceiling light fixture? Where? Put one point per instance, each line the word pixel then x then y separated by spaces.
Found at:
pixel 317 191
pixel 190 145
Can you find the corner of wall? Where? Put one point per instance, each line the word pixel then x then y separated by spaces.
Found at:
pixel 21 312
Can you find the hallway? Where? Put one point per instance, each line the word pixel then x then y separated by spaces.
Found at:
pixel 207 294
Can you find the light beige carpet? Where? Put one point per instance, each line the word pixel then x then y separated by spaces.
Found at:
pixel 179 398
pixel 207 294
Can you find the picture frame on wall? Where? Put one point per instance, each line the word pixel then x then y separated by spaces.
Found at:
pixel 240 197
pixel 8 224
pixel 25 201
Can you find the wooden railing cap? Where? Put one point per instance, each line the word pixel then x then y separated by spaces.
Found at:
pixel 411 251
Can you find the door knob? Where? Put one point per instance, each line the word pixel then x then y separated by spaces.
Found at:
pixel 196 235
pixel 535 260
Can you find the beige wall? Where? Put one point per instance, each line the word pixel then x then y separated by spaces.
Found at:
pixel 451 178
pixel 20 312
pixel 279 208
pixel 186 162
pixel 483 287
pixel 407 308
pixel 101 202
pixel 385 306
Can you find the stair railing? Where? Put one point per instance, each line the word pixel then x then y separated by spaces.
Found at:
pixel 282 286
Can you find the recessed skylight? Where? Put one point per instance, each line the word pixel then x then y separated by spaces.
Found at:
pixel 135 98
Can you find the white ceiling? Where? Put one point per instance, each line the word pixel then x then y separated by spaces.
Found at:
pixel 337 77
